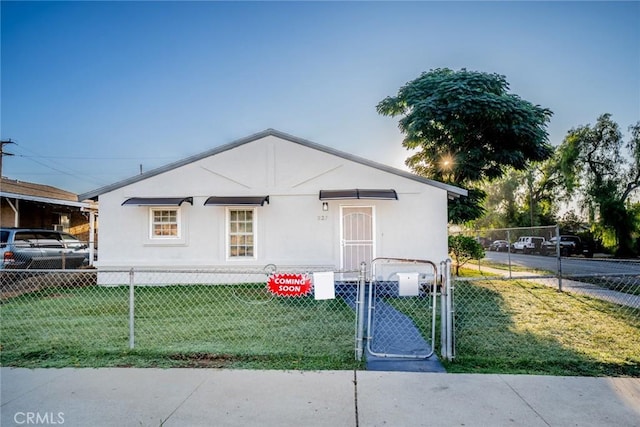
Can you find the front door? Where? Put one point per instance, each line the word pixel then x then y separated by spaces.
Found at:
pixel 357 237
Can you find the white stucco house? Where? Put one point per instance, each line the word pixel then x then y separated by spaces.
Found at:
pixel 271 198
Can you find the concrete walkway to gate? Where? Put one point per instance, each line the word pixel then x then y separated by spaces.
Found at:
pixel 208 397
pixel 398 334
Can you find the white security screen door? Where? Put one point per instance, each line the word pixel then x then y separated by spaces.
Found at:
pixel 357 231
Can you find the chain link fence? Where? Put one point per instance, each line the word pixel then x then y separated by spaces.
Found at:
pixel 540 300
pixel 528 240
pixel 544 250
pixel 402 302
pixel 181 314
pixel 565 262
pixel 499 317
pixel 589 324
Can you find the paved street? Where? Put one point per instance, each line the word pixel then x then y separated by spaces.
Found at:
pixel 570 265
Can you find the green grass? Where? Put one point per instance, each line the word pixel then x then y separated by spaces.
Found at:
pixel 473 265
pixel 176 326
pixel 514 326
pixel 523 327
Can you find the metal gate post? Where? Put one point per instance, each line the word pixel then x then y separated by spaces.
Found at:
pixel 360 304
pixel 443 310
pixel 131 310
pixel 449 296
pixel 446 311
pixel 559 254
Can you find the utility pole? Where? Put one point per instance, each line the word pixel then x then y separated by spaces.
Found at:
pixel 4 153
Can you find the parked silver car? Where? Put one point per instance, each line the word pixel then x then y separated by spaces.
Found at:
pixel 499 246
pixel 26 248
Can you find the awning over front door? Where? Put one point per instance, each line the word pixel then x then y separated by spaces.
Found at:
pixel 358 194
pixel 157 201
pixel 237 201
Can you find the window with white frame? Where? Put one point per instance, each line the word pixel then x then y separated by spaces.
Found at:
pixel 165 223
pixel 241 233
pixel 64 222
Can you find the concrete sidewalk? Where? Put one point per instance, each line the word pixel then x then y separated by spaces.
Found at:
pixel 209 397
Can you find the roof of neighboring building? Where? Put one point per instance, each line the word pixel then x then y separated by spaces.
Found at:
pixel 452 190
pixel 15 189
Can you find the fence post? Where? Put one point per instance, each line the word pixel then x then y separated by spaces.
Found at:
pixel 479 260
pixel 443 310
pixel 360 303
pixel 446 311
pixel 131 310
pixel 559 255
pixel 450 332
pixel 92 230
pixel 509 251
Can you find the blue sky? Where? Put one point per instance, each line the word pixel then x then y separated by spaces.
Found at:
pixel 91 90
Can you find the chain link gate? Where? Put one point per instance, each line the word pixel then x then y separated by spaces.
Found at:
pixel 401 319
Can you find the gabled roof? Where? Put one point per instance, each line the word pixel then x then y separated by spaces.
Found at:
pixel 452 191
pixel 30 191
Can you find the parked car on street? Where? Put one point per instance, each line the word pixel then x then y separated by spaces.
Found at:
pixel 499 246
pixel 528 244
pixel 569 245
pixel 485 242
pixel 26 248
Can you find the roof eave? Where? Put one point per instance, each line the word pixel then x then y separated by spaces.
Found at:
pixel 48 200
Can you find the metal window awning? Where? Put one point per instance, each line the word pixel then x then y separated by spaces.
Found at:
pixel 157 201
pixel 237 201
pixel 358 194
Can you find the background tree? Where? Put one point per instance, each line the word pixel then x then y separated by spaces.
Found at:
pixel 604 172
pixel 465 127
pixel 463 249
pixel 521 198
pixel 501 204
pixel 570 222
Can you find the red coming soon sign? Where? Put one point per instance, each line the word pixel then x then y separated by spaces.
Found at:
pixel 289 285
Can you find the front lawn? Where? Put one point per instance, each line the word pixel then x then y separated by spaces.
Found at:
pixel 518 326
pixel 198 325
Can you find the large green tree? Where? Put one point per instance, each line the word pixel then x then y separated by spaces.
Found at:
pixel 604 171
pixel 465 127
pixel 521 198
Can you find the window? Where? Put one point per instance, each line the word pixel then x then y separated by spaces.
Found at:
pixel 63 223
pixel 165 223
pixel 49 240
pixel 241 233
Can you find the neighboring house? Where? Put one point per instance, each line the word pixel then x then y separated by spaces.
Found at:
pixel 30 205
pixel 271 198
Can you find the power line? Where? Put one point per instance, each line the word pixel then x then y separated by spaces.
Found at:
pixel 50 162
pixel 68 172
pixel 4 153
pixel 94 158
